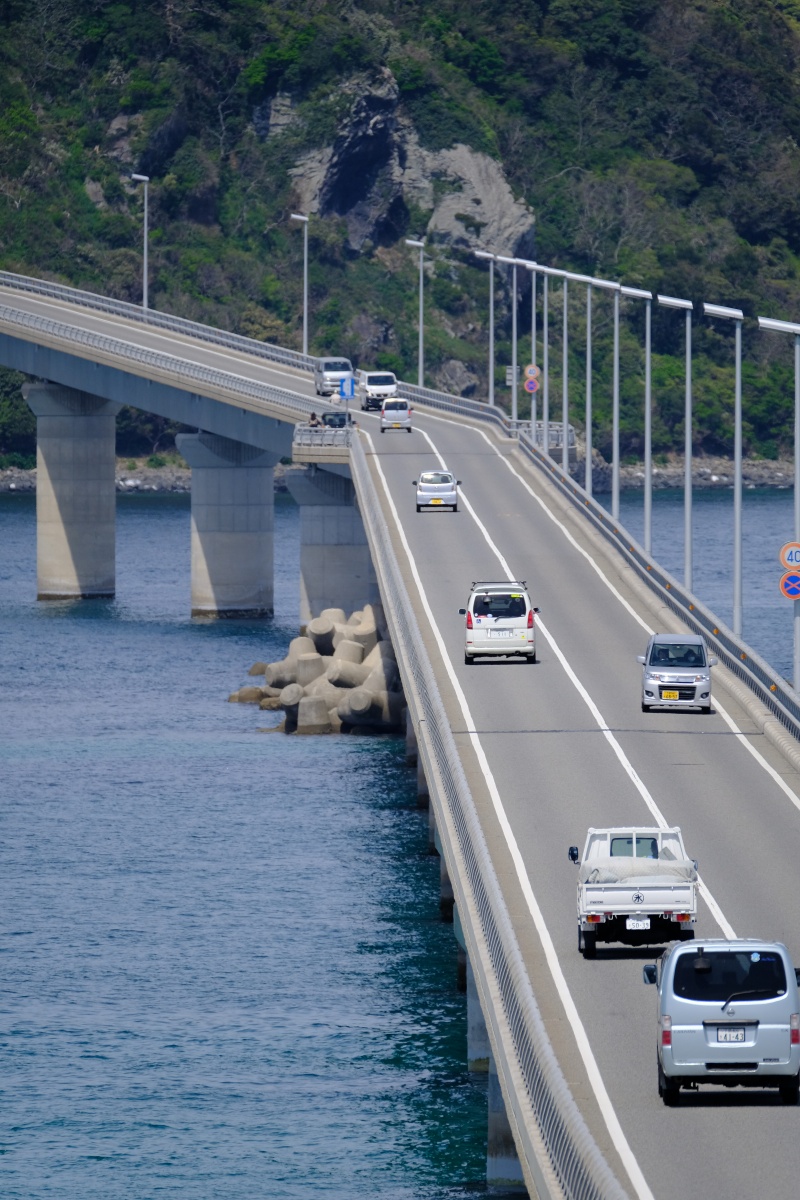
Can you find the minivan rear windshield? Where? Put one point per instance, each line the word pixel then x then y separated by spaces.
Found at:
pixel 333 364
pixel 396 405
pixel 720 975
pixel 677 654
pixel 499 604
pixel 382 380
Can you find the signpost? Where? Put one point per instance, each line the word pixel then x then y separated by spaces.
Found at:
pixel 790 588
pixel 511 374
pixel 347 389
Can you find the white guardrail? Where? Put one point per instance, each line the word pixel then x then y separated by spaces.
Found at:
pixel 574 1162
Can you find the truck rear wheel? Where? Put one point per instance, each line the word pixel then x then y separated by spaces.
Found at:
pixel 587 943
pixel 667 1089
pixel 789 1090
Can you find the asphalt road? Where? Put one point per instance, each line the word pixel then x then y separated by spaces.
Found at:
pixel 557 774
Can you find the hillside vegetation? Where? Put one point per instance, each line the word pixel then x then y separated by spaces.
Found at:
pixel 656 142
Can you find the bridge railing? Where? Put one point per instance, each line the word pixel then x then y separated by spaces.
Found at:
pixel 770 687
pixel 572 1156
pixel 297 407
pixel 309 435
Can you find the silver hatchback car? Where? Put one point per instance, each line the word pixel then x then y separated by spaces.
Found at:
pixel 676 672
pixel 499 622
pixel 728 1014
pixel 437 489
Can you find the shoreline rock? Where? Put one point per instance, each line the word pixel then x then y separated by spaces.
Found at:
pixel 170 478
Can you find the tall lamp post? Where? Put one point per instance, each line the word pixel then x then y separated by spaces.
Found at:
pixel 639 294
pixel 304 219
pixel 736 315
pixel 513 263
pixel 145 179
pixel 421 352
pixel 532 268
pixel 686 305
pixel 791 327
pixel 484 254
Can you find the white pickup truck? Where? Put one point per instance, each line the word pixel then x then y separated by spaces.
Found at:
pixel 636 886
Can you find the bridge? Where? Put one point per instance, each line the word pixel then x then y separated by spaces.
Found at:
pixel 518 760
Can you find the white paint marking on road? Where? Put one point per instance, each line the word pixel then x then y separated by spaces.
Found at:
pixel 600 720
pixel 593 1071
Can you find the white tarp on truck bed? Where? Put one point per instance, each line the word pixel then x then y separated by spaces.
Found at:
pixel 644 870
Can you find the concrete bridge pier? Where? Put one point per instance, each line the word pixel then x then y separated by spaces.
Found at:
pixel 446 895
pixel 75 492
pixel 479 1049
pixel 336 568
pixel 232 526
pixel 503 1170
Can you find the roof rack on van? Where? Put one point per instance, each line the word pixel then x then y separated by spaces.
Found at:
pixel 520 583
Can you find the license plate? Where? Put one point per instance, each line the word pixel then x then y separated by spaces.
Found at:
pixel 504 633
pixel 637 923
pixel 665 695
pixel 730 1035
pixel 396 425
pixel 436 502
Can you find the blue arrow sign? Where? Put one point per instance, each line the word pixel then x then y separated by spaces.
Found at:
pixel 350 384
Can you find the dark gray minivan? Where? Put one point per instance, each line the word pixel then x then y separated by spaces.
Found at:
pixel 728 1014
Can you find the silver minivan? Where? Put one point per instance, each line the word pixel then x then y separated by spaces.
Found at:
pixel 499 622
pixel 728 1014
pixel 676 672
pixel 329 373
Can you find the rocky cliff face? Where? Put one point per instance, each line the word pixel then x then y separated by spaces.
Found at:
pixel 376 169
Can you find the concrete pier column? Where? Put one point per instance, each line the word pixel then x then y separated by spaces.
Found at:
pixel 423 793
pixel 75 493
pixel 232 526
pixel 479 1049
pixel 412 755
pixel 335 562
pixel 446 897
pixel 432 848
pixel 503 1168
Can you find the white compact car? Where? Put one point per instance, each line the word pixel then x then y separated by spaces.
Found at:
pixel 728 1014
pixel 437 489
pixel 329 373
pixel 676 672
pixel 396 414
pixel 499 622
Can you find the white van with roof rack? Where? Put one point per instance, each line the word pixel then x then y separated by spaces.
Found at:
pixel 499 621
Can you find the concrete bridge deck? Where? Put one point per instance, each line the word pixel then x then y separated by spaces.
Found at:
pixel 553 748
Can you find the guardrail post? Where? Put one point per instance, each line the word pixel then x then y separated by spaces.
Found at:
pixel 336 568
pixel 75 492
pixel 233 508
pixel 503 1168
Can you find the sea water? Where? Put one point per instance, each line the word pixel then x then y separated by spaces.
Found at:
pixel 222 968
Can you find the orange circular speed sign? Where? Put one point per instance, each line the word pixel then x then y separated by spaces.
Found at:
pixel 790 556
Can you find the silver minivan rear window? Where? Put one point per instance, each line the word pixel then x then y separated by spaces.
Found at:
pixel 499 604
pixel 722 975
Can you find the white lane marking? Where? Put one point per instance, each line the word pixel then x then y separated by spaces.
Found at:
pixel 740 736
pixel 593 1071
pixel 600 720
pixel 299 375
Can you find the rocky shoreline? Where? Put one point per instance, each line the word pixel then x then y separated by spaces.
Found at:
pixel 136 476
pixel 132 475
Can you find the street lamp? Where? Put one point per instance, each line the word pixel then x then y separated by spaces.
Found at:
pixel 686 305
pixel 791 327
pixel 639 294
pixel 587 474
pixel 736 315
pixel 421 362
pixel 304 219
pixel 532 268
pixel 513 263
pixel 145 179
pixel 491 257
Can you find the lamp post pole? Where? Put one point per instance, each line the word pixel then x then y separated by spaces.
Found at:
pixel 737 316
pixel 587 482
pixel 421 351
pixel 639 294
pixel 545 368
pixel 145 179
pixel 491 257
pixel 686 305
pixel 304 220
pixel 615 417
pixel 532 269
pixel 565 382
pixel 513 263
pixel 794 329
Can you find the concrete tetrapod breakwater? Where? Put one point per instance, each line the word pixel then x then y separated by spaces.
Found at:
pixel 338 676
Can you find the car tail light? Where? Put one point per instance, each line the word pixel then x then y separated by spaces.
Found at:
pixel 683 916
pixel 794 1029
pixel 666 1031
pixel 469 619
pixel 593 918
pixel 530 618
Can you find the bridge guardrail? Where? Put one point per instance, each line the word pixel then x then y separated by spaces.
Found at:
pixel 309 435
pixel 744 662
pixel 299 406
pixel 580 1168
pixel 150 316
